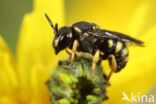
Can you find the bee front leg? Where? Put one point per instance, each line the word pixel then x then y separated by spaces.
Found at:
pixel 113 64
pixel 74 49
pixel 95 60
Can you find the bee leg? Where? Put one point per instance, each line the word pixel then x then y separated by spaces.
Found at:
pixel 69 53
pixel 74 49
pixel 113 64
pixel 95 60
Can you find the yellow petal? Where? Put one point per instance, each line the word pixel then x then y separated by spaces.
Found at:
pixel 109 14
pixel 7 100
pixel 130 17
pixel 5 49
pixel 138 21
pixel 40 93
pixel 8 78
pixel 35 39
pixel 139 74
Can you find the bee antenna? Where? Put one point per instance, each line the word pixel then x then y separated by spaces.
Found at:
pixel 51 24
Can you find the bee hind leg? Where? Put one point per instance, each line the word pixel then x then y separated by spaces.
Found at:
pixel 113 65
pixel 95 60
pixel 74 49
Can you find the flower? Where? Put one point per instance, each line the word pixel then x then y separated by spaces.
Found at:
pixel 23 77
pixel 72 85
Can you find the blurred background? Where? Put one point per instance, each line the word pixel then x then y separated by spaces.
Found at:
pixel 11 15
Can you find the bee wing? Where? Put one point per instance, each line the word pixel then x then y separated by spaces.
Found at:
pixel 106 34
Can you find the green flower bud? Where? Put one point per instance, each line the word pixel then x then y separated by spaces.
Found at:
pixel 65 78
pixel 72 85
pixel 64 101
pixel 91 97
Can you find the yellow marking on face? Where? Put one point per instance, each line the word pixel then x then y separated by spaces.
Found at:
pixel 118 47
pixel 85 34
pixel 125 52
pixel 70 35
pixel 110 43
pixel 57 41
pixel 77 29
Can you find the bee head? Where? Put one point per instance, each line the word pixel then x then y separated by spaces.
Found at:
pixel 63 36
pixel 62 39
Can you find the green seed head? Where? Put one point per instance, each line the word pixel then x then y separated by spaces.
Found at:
pixel 72 85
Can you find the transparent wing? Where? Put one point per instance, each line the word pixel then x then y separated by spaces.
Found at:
pixel 106 34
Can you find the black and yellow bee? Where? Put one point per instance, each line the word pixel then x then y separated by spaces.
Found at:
pixel 89 38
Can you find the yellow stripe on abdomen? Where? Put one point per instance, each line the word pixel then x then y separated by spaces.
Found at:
pixel 118 46
pixel 110 43
pixel 125 52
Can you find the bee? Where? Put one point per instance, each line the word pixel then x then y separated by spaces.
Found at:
pixel 89 38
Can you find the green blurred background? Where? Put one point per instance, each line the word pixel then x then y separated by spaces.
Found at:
pixel 11 15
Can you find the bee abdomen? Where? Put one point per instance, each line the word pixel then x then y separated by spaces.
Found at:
pixel 122 58
pixel 116 48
